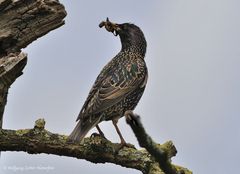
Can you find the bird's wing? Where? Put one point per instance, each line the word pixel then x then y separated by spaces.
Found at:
pixel 115 85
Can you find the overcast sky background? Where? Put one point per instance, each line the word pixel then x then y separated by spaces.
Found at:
pixel 192 96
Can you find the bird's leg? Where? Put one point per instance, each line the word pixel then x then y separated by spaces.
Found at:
pixel 123 142
pixel 101 134
pixel 100 131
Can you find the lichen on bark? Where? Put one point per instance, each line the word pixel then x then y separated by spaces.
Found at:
pixel 95 149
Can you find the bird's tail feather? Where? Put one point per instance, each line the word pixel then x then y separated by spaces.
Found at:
pixel 80 131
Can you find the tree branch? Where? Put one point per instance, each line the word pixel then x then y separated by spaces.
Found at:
pixel 11 67
pixel 22 21
pixel 161 153
pixel 95 149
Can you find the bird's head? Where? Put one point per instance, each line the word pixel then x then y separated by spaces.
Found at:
pixel 131 35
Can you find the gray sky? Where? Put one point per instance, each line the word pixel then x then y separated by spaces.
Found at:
pixel 192 96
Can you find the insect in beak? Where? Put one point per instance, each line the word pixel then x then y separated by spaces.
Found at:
pixel 110 26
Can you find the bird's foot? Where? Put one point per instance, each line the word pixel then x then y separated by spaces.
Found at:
pixel 128 145
pixel 123 145
pixel 70 141
pixel 98 135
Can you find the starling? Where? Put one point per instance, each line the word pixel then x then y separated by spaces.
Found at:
pixel 119 86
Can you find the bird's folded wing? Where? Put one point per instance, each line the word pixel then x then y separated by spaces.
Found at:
pixel 114 87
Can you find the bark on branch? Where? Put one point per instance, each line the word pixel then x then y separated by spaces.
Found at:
pixel 11 67
pixel 161 153
pixel 21 22
pixel 95 149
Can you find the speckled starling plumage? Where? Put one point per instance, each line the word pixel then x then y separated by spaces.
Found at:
pixel 119 86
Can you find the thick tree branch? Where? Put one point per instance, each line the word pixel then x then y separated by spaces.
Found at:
pixel 11 67
pixel 95 149
pixel 21 22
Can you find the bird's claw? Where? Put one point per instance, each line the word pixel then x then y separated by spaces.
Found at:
pixel 122 145
pixel 98 135
pixel 128 145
